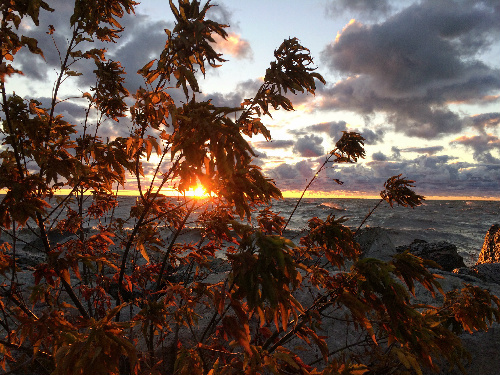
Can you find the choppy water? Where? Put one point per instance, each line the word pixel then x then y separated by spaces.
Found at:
pixel 463 223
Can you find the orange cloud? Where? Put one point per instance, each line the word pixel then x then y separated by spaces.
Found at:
pixel 235 46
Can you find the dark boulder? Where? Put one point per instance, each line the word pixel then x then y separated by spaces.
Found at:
pixel 375 243
pixel 443 253
pixel 488 272
pixel 490 252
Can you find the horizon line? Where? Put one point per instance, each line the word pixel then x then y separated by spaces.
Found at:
pixel 309 195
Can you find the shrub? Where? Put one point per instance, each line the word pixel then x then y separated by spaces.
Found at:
pixel 127 295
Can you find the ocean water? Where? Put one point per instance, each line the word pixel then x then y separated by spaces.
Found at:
pixel 462 223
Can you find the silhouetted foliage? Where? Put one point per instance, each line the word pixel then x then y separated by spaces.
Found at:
pixel 84 290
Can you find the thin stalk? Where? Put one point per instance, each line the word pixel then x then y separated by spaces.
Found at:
pixel 59 79
pixel 62 202
pixel 14 265
pixel 214 320
pixel 11 131
pixel 171 246
pixel 66 285
pixel 368 215
pixel 134 233
pixel 320 304
pixel 305 189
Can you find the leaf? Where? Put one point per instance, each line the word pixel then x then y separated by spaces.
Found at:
pixel 65 276
pixel 72 73
pixel 143 251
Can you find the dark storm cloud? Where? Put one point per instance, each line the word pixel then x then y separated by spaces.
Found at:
pixel 33 65
pixel 232 99
pixel 335 128
pixel 431 150
pixel 415 63
pixel 482 146
pixel 320 128
pixel 260 158
pixel 433 175
pixel 485 120
pixel 243 90
pixel 372 8
pixel 379 156
pixel 309 146
pixel 132 52
pixel 72 111
pixel 274 144
pixel 141 41
pixel 396 152
pixel 292 176
pixel 372 137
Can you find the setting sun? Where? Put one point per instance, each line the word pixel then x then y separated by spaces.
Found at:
pixel 197 192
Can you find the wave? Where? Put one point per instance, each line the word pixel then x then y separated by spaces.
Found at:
pixel 331 206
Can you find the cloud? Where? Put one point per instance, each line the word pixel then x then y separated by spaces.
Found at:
pixel 309 146
pixel 132 51
pixel 481 145
pixel 379 156
pixel 292 176
pixel 372 8
pixel 221 14
pixel 433 175
pixel 336 129
pixel 244 89
pixel 431 150
pixel 71 110
pixel 485 120
pixel 372 137
pixel 396 152
pixel 414 64
pixel 234 45
pixel 324 127
pixel 274 144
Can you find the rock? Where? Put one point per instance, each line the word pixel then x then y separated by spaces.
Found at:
pixel 483 347
pixel 490 252
pixel 54 236
pixel 443 253
pixel 376 243
pixel 489 272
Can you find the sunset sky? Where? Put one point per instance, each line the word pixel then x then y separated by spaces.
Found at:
pixel 419 79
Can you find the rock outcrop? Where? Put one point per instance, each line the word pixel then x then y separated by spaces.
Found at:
pixel 489 272
pixel 490 252
pixel 443 253
pixel 376 243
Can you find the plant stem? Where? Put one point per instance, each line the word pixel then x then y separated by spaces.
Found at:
pixel 171 246
pixel 368 215
pixel 305 189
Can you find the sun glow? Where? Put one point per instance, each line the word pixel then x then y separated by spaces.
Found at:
pixel 197 192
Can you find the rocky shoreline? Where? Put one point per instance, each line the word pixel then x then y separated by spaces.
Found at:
pixel 484 347
pixel 376 243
